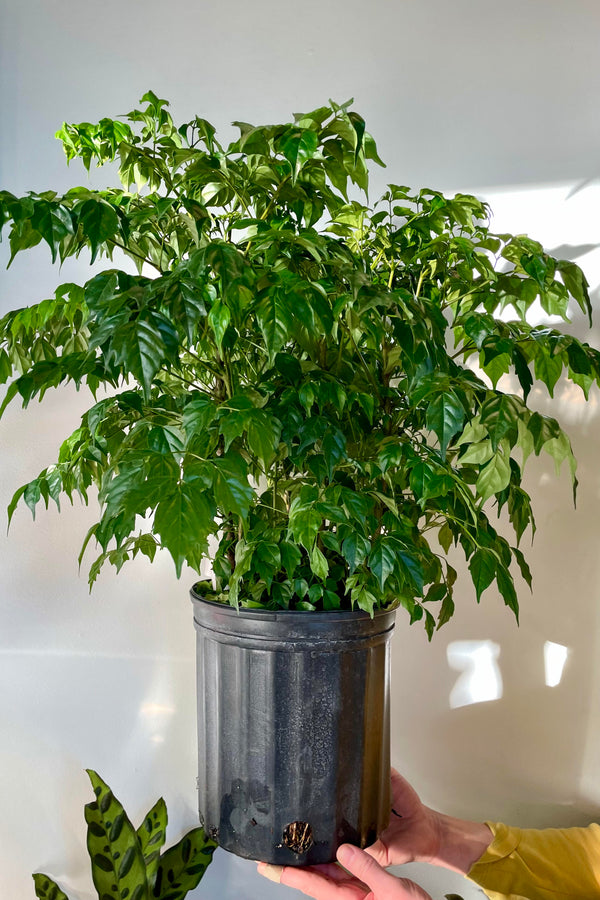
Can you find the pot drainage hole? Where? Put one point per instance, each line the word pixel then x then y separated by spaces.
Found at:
pixel 298 837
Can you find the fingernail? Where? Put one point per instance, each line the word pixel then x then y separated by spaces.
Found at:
pixel 345 854
pixel 273 873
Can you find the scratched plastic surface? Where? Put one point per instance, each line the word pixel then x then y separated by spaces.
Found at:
pixel 293 746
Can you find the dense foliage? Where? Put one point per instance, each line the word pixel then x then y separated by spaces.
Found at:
pixel 303 385
pixel 127 862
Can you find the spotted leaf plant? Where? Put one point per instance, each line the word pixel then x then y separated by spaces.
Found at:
pixel 320 393
pixel 128 863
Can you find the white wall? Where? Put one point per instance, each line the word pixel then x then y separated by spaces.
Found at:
pixel 500 99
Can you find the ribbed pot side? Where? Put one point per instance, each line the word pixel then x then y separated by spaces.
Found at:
pixel 293 728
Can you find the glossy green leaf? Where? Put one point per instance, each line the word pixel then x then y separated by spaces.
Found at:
pixel 477 453
pixel 298 146
pixel 47 889
pixel 494 476
pixel 233 492
pixel 382 561
pixel 274 320
pixel 264 433
pixel 182 866
pixel 113 846
pixel 445 417
pixel 318 563
pixel 219 318
pixel 500 415
pixel 507 589
pixel 139 347
pixel 548 368
pixel 183 520
pixel 198 414
pixel 576 284
pixel 53 222
pixel 304 522
pixel 98 222
pixel 152 835
pixel 482 566
pixel 355 548
pixel 523 566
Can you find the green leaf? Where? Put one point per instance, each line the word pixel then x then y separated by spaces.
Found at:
pixel 429 480
pixel 411 570
pixel 113 846
pixel 304 522
pixel 198 414
pixel 53 222
pixel 139 347
pixel 219 318
pixel 560 449
pixel 507 589
pixel 188 306
pixel 266 561
pixel 382 561
pixel 182 866
pixel 522 370
pixel 363 598
pixel 445 416
pixel 477 453
pixel 500 415
pixel 447 610
pixel 46 889
pixel 494 476
pixel 290 557
pixel 233 492
pixel 98 221
pixel 298 147
pixel 151 835
pixel 576 284
pixel 334 449
pixel 318 563
pixel 355 549
pixel 523 566
pixel 264 432
pixel 15 501
pixel 547 367
pixel 274 320
pixel 183 520
pixel 445 537
pixel 482 567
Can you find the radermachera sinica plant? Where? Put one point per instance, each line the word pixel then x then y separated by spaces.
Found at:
pixel 299 383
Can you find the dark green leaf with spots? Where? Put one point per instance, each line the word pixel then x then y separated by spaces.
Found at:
pixel 47 889
pixel 114 848
pixel 182 866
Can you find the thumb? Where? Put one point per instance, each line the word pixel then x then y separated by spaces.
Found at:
pixel 364 867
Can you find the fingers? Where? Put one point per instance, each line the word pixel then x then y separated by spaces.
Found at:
pixel 383 885
pixel 330 882
pixel 380 853
pixel 273 873
pixel 322 883
pixel 365 869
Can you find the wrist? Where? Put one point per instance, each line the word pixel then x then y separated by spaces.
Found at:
pixel 460 842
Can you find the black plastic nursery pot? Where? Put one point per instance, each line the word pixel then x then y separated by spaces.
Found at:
pixel 293 728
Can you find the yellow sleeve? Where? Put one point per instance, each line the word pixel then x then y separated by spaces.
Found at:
pixel 548 864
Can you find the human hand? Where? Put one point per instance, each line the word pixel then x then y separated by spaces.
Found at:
pixel 418 833
pixel 363 880
pixel 414 832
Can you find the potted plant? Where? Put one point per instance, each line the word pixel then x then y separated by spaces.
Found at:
pixel 128 862
pixel 305 388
